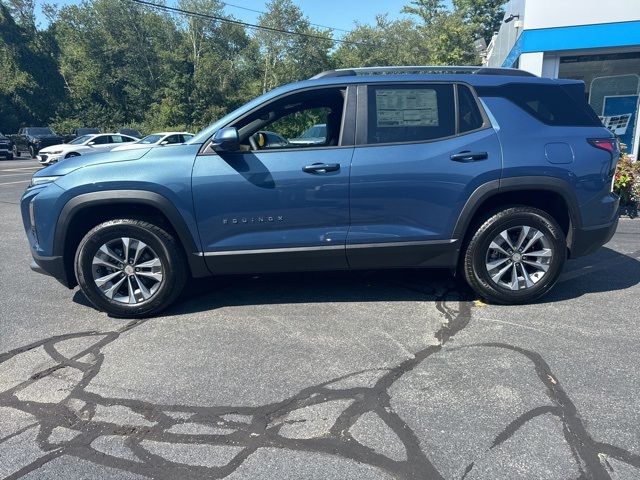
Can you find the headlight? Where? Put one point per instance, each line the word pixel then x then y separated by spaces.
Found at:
pixel 42 180
pixel 53 153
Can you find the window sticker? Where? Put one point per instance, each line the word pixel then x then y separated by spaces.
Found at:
pixel 406 108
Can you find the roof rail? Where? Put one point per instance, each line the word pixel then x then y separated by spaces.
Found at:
pixel 424 70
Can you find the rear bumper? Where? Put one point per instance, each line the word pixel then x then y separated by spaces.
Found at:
pixel 54 267
pixel 588 240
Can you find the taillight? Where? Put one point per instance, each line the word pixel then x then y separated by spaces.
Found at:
pixel 612 146
pixel 608 144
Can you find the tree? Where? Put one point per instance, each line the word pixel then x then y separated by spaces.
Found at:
pixel 30 85
pixel 484 16
pixel 428 10
pixel 285 58
pixel 397 42
pixel 444 34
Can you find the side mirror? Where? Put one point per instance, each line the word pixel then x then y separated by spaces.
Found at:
pixel 164 142
pixel 226 140
pixel 91 143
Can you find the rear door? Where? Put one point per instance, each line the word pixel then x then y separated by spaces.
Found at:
pixel 421 150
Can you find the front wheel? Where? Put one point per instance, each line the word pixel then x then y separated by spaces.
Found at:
pixel 16 152
pixel 516 256
pixel 32 151
pixel 130 268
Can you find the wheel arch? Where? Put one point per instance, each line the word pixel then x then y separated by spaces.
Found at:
pixel 550 194
pixel 85 211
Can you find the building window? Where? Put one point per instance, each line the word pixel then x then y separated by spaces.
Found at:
pixel 612 84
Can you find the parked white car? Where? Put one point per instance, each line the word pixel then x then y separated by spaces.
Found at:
pixel 157 139
pixel 84 145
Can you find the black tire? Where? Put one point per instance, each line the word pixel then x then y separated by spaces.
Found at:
pixel 161 245
pixel 476 256
pixel 16 152
pixel 10 156
pixel 32 151
pixel 72 154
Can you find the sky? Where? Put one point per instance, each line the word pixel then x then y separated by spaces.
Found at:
pixel 339 14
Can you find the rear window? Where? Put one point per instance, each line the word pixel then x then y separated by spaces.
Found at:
pixel 551 104
pixel 410 113
pixel 468 112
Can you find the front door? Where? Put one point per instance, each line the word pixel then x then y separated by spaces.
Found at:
pixel 281 202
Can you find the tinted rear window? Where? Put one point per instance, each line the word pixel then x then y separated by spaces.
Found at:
pixel 468 112
pixel 551 104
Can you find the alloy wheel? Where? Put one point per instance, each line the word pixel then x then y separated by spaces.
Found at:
pixel 127 270
pixel 519 257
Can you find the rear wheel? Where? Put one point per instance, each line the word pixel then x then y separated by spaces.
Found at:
pixel 516 256
pixel 130 268
pixel 32 151
pixel 16 152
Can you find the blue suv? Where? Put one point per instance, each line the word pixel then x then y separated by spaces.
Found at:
pixel 495 172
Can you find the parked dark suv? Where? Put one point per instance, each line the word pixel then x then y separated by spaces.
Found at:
pixel 33 139
pixel 493 172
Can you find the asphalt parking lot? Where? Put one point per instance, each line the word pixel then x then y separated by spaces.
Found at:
pixel 366 375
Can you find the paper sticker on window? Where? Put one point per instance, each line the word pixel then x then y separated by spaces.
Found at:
pixel 406 108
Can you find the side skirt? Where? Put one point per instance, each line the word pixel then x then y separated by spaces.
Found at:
pixel 423 254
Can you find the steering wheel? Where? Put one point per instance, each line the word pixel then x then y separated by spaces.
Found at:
pixel 258 141
pixel 254 143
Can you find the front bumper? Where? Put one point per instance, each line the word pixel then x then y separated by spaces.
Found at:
pixel 52 266
pixel 47 158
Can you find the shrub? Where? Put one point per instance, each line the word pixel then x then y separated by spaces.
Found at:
pixel 627 179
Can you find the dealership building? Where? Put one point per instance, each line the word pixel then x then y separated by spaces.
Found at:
pixel 595 41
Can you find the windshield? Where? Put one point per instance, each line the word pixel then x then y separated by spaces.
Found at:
pixel 80 140
pixel 40 131
pixel 150 139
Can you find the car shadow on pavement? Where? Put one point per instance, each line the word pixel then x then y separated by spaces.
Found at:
pixel 316 287
pixel 606 270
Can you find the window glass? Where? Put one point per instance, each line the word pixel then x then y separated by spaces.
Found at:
pixel 550 104
pixel 101 140
pixel 186 137
pixel 116 139
pixel 173 139
pixel 410 113
pixel 303 128
pixel 612 86
pixel 468 112
pixel 301 120
pixel 80 140
pixel 128 139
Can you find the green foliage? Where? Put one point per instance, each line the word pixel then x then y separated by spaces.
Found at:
pixel 397 42
pixel 626 183
pixel 110 63
pixel 430 11
pixel 483 16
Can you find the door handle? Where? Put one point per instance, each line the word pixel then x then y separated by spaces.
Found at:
pixel 468 156
pixel 321 168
